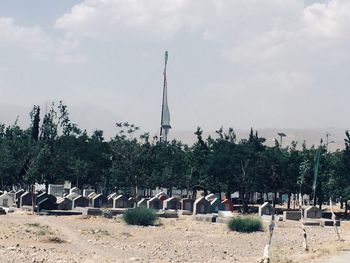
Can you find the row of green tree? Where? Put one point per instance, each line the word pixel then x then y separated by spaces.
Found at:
pixel 54 149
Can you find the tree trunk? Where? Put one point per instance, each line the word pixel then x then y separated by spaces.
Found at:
pixel 274 199
pixel 33 199
pixel 346 210
pixel 170 191
pixel 288 204
pixel 244 202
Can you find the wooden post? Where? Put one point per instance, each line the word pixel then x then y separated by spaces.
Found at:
pixel 266 256
pixel 306 248
pixel 334 218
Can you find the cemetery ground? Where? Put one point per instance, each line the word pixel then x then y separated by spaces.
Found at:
pixel 32 238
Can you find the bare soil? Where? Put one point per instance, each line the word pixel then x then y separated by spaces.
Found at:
pixel 32 238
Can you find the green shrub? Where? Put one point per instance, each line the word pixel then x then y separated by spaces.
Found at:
pixel 140 216
pixel 245 224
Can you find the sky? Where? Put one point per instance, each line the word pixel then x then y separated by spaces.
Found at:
pixel 232 63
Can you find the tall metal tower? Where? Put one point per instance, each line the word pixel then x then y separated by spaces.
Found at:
pixel 165 118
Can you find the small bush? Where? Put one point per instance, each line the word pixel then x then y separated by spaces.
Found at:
pixel 140 216
pixel 245 224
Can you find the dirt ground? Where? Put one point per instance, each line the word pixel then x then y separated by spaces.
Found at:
pixel 32 238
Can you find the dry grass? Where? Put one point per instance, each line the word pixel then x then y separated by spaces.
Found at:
pixel 53 239
pixel 38 229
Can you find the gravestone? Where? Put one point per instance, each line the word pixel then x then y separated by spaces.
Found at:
pixel 40 197
pixel 18 196
pixel 72 196
pixel 215 205
pixel 56 190
pixel 87 192
pixel 121 201
pixel 291 215
pixel 43 196
pixel 313 212
pixel 172 203
pixel 64 204
pixel 132 202
pixel 67 185
pixel 75 190
pixel 7 200
pixel 110 200
pixel 2 211
pixel 47 204
pixel 161 196
pixel 112 195
pixel 99 201
pixel 25 199
pixel 187 204
pixel 142 202
pixel 155 203
pixel 266 209
pixel 80 201
pixel 91 195
pixel 201 206
pixel 228 205
pixel 211 197
pixel 19 193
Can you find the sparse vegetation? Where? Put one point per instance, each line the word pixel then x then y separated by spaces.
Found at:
pixel 38 229
pixel 246 224
pixel 140 216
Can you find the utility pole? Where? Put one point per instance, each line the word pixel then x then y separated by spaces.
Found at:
pixel 281 134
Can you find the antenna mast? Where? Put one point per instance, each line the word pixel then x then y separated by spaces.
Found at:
pixel 165 117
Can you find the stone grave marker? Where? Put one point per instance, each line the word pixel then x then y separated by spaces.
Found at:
pixel 211 197
pixel 56 190
pixel 313 212
pixel 121 201
pixel 18 196
pixel 215 205
pixel 75 190
pixel 64 204
pixel 161 196
pixel 142 202
pixel 291 215
pixel 132 202
pixel 99 201
pixel 25 199
pixel 72 196
pixel 87 192
pixel 7 200
pixel 187 204
pixel 228 205
pixel 172 203
pixel 40 197
pixel 47 204
pixel 80 201
pixel 110 200
pixel 19 193
pixel 201 206
pixel 155 203
pixel 266 209
pixel 2 211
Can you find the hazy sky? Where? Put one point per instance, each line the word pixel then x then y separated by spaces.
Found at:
pixel 239 63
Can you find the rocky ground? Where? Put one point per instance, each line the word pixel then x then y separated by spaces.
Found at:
pixel 32 238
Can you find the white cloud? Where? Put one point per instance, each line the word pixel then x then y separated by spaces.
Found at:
pixel 38 43
pixel 32 39
pixel 134 19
